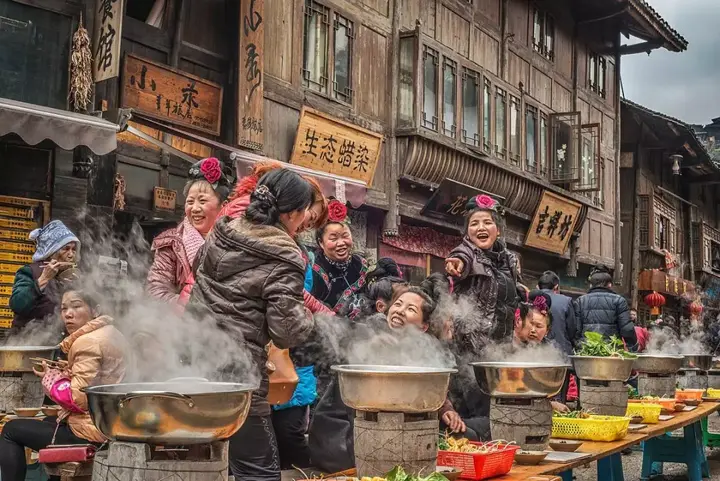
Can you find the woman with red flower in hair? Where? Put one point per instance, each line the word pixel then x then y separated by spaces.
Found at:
pixel 170 278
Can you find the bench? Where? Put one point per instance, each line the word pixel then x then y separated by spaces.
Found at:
pixel 73 471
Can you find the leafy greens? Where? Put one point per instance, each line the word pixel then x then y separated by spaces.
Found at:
pixel 596 344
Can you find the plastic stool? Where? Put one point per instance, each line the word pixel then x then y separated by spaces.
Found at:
pixel 711 440
pixel 688 450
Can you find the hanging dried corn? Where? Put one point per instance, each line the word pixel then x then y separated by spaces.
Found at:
pixel 81 81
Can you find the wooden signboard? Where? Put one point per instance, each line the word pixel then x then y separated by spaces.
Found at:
pixel 107 38
pixel 448 201
pixel 164 199
pixel 331 145
pixel 250 114
pixel 171 95
pixel 553 224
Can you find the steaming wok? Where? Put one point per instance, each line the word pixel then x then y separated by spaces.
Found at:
pixel 658 363
pixel 176 413
pixel 702 362
pixel 18 358
pixel 526 380
pixel 393 388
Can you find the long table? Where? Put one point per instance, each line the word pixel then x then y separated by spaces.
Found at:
pixel 600 450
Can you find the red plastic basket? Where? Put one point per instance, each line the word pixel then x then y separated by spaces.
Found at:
pixel 477 466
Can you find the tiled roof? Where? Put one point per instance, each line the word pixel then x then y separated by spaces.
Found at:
pixel 652 15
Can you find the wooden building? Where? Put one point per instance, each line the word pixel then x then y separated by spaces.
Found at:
pixel 670 214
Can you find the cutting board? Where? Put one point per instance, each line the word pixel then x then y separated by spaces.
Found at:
pixel 561 457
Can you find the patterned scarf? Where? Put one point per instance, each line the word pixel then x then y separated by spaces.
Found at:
pixel 191 239
pixel 342 266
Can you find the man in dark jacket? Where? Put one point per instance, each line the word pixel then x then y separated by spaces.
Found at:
pixel 564 329
pixel 603 311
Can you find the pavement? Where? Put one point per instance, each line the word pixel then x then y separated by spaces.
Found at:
pixel 632 464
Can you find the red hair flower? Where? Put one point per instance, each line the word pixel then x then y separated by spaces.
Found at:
pixel 540 303
pixel 485 202
pixel 337 212
pixel 211 169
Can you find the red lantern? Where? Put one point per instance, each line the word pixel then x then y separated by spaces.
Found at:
pixel 696 308
pixel 655 301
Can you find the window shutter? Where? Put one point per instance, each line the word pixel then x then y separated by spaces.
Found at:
pixel 564 147
pixel 644 204
pixel 589 159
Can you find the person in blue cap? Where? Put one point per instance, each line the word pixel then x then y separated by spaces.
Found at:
pixel 36 290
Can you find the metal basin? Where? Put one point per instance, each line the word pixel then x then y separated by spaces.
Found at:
pixel 596 368
pixel 698 361
pixel 169 413
pixel 17 358
pixel 520 379
pixel 658 363
pixel 393 388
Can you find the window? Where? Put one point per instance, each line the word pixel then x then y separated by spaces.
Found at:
pixel 543 37
pixel 487 116
pixel 342 50
pixel 430 88
pixel 449 97
pixel 318 39
pixel 662 232
pixel 500 118
pixel 589 159
pixel 596 74
pixel 564 148
pixel 470 107
pixel 515 130
pixel 531 115
pixel 151 12
pixel 543 145
pixel 406 82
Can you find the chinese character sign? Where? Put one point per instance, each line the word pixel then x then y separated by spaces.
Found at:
pixel 250 74
pixel 336 147
pixel 106 39
pixel 553 224
pixel 171 95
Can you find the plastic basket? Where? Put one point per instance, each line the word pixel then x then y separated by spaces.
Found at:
pixel 477 466
pixel 713 393
pixel 594 428
pixel 689 394
pixel 665 403
pixel 649 412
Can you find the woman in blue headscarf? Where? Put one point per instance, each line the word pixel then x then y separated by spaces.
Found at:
pixel 35 293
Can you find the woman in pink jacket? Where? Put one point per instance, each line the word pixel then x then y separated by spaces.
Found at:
pixel 170 278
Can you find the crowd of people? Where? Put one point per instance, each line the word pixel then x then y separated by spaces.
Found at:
pixel 236 258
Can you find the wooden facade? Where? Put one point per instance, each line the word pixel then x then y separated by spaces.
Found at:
pixel 670 212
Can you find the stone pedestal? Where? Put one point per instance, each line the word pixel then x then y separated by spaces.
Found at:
pixel 386 440
pixel 608 398
pixel 20 390
pixel 659 385
pixel 528 422
pixel 692 379
pixel 714 379
pixel 142 462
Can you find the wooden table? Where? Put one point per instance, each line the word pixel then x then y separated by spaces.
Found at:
pixel 599 451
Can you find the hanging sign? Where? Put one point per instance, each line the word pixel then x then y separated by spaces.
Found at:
pixel 448 201
pixel 107 38
pixel 171 95
pixel 164 199
pixel 331 145
pixel 251 69
pixel 553 224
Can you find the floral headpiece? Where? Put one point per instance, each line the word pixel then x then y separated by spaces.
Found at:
pixel 209 169
pixel 540 303
pixel 337 212
pixel 483 202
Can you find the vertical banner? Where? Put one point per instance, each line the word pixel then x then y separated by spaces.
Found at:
pixel 107 38
pixel 250 75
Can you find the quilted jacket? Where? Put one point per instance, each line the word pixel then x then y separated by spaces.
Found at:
pixel 170 270
pixel 607 313
pixel 250 280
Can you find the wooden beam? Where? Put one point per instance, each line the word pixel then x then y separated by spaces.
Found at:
pixel 643 47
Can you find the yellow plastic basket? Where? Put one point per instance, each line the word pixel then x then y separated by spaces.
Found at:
pixel 713 393
pixel 594 428
pixel 649 412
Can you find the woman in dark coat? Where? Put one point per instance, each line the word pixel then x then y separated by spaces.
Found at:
pixel 250 281
pixel 338 274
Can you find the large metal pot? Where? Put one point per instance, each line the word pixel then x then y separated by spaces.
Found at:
pixel 596 368
pixel 170 412
pixel 17 358
pixel 393 388
pixel 658 363
pixel 702 362
pixel 520 379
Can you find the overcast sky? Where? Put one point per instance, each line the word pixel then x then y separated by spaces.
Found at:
pixel 683 85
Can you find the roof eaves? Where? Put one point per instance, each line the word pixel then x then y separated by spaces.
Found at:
pixel 676 42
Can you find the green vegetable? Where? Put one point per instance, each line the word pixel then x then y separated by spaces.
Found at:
pixel 399 474
pixel 572 414
pixel 443 444
pixel 596 344
pixel 632 393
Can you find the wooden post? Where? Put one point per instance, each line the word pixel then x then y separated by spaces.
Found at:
pixel 634 270
pixel 618 144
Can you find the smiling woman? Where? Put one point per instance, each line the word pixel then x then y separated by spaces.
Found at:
pixel 170 277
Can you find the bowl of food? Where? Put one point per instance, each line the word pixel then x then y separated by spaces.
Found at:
pixel 565 445
pixel 452 474
pixel 51 410
pixel 530 458
pixel 687 396
pixel 26 412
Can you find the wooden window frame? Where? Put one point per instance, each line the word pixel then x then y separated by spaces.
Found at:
pixel 515 157
pixel 540 46
pixel 500 92
pixel 476 141
pixel 597 74
pixel 433 123
pixel 450 130
pixel 572 173
pixel 595 184
pixel 535 112
pixel 328 86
